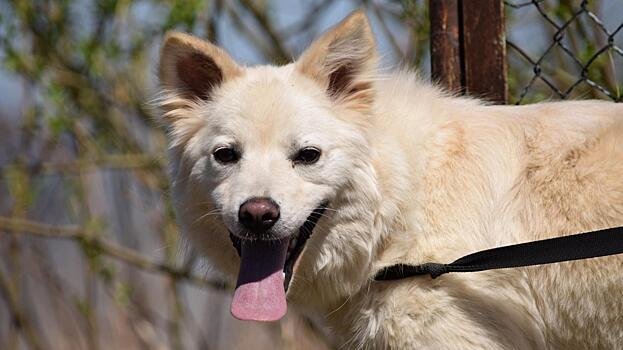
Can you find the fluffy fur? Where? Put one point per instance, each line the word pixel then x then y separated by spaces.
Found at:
pixel 412 175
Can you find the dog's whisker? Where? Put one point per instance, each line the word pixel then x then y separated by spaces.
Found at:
pixel 297 279
pixel 326 216
pixel 339 307
pixel 308 221
pixel 320 213
pixel 214 212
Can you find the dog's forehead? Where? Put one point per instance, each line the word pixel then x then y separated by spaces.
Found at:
pixel 266 101
pixel 272 92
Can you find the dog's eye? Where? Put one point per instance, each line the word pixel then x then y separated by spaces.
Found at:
pixel 226 155
pixel 308 155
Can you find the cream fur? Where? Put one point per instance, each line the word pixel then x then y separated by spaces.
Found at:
pixel 413 175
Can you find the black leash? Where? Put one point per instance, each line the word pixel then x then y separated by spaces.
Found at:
pixel 574 247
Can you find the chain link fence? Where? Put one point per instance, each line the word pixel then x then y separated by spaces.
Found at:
pixel 580 57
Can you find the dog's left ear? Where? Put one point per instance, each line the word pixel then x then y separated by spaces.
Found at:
pixel 343 60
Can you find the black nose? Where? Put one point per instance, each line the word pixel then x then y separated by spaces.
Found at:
pixel 258 214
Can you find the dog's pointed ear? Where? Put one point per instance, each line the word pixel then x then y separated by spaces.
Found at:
pixel 193 67
pixel 343 60
pixel 190 70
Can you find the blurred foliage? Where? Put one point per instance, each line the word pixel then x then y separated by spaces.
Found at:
pixel 87 70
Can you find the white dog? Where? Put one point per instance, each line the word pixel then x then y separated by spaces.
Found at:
pixel 317 174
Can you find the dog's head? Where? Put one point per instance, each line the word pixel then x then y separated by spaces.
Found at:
pixel 261 154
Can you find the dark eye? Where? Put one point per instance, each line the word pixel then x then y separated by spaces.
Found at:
pixel 226 155
pixel 307 155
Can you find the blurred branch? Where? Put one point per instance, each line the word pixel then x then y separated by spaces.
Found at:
pixel 387 31
pixel 130 256
pixel 281 54
pixel 114 161
pixel 308 22
pixel 18 318
pixel 253 37
pixel 142 163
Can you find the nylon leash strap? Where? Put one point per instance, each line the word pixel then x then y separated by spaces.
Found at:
pixel 573 247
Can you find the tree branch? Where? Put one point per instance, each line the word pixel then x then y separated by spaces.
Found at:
pixel 7 291
pixel 129 256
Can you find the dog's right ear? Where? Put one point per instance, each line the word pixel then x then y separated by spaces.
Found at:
pixel 193 67
pixel 190 71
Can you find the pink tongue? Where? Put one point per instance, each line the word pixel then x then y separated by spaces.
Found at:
pixel 260 295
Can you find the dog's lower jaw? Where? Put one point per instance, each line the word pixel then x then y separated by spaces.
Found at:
pixel 319 293
pixel 330 305
pixel 320 288
pixel 338 263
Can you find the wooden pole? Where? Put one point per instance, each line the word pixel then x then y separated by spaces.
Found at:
pixel 484 49
pixel 446 65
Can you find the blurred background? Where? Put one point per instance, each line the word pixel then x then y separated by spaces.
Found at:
pixel 90 256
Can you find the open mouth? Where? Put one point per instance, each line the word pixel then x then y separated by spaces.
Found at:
pixel 296 242
pixel 266 268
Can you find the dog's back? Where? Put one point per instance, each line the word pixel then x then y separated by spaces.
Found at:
pixel 572 182
pixel 483 176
